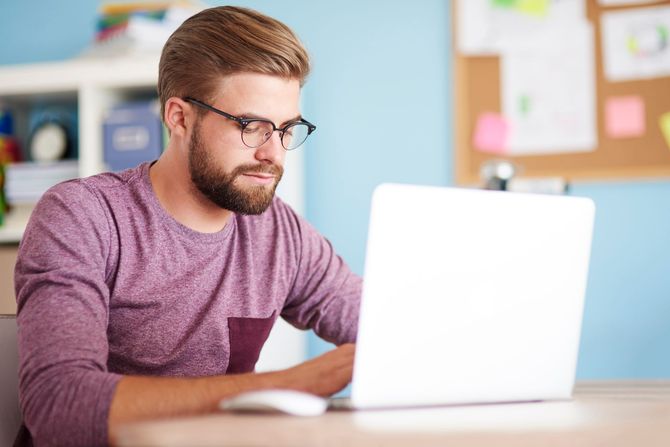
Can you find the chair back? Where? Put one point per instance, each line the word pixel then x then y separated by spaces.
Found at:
pixel 10 414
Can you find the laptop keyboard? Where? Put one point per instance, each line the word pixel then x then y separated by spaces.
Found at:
pixel 339 403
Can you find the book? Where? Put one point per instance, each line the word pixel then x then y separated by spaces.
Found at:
pixel 25 182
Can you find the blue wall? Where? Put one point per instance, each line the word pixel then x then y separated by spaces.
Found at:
pixel 380 93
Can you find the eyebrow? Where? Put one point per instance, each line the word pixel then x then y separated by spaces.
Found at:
pixel 253 116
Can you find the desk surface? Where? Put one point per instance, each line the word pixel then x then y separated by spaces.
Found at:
pixel 602 413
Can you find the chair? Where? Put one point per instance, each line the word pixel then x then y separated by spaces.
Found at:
pixel 10 414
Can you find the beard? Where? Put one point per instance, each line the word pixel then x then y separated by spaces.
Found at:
pixel 219 186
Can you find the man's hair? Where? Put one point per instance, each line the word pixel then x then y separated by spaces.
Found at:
pixel 222 41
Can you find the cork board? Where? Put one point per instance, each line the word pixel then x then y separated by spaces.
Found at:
pixel 477 90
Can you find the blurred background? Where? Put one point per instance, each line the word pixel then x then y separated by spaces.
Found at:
pixel 382 93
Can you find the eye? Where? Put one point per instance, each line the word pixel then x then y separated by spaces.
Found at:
pixel 253 127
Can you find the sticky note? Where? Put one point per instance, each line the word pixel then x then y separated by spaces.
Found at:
pixel 533 7
pixel 624 117
pixel 664 122
pixel 491 133
pixel 503 3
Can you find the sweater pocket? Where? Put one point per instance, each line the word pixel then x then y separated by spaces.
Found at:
pixel 247 337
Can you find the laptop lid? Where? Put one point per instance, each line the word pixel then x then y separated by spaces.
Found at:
pixel 470 296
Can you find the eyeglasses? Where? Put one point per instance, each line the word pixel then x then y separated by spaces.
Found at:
pixel 256 131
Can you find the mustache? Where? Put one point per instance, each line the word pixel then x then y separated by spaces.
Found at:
pixel 275 170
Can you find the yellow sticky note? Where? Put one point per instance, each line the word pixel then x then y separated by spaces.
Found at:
pixel 664 122
pixel 533 7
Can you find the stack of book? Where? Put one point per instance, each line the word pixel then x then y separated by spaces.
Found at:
pixel 125 28
pixel 26 182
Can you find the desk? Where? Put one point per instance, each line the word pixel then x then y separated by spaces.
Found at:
pixel 601 414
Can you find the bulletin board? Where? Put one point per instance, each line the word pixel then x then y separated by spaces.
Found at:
pixel 477 90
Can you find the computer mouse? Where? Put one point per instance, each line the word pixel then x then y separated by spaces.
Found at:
pixel 296 403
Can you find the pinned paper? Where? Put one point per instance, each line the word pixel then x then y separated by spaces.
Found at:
pixel 486 27
pixel 635 43
pixel 665 127
pixel 550 104
pixel 491 133
pixel 624 117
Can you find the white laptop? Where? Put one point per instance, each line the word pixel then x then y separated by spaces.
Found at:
pixel 470 296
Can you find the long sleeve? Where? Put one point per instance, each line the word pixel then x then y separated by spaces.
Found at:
pixel 326 293
pixel 63 311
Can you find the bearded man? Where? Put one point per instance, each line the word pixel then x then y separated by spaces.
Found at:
pixel 149 293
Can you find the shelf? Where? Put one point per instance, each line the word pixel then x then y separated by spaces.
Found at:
pixel 87 86
pixel 29 80
pixel 91 86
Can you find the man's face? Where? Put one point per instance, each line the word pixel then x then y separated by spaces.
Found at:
pixel 231 175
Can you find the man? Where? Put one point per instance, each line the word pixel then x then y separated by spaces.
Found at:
pixel 179 268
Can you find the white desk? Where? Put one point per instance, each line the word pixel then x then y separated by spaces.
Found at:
pixel 601 414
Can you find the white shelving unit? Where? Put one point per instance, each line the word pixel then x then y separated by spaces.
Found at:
pixel 95 85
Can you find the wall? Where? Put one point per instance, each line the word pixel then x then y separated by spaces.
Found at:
pixel 380 94
pixel 627 315
pixel 7 261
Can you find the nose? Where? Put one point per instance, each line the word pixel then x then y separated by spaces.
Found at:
pixel 272 150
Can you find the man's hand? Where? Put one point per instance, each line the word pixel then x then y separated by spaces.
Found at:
pixel 324 375
pixel 141 398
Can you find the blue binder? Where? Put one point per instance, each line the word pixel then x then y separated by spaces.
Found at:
pixel 132 134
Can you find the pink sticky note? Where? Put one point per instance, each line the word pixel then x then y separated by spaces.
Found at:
pixel 491 133
pixel 624 117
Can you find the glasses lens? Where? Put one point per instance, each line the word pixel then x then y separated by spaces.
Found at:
pixel 256 133
pixel 294 136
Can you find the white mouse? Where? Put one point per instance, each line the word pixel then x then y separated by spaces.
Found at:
pixel 296 403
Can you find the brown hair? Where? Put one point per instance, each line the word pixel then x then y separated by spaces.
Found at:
pixel 225 40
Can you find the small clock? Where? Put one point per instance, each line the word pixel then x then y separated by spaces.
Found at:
pixel 49 142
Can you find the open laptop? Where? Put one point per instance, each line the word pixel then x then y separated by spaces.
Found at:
pixel 470 296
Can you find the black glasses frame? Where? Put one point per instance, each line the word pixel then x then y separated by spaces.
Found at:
pixel 244 122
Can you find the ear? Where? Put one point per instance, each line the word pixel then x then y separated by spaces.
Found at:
pixel 179 116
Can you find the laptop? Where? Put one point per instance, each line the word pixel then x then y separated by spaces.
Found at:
pixel 469 297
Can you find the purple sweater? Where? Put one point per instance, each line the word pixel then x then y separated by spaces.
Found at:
pixel 108 283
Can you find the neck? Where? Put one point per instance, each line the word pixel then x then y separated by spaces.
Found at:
pixel 171 182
